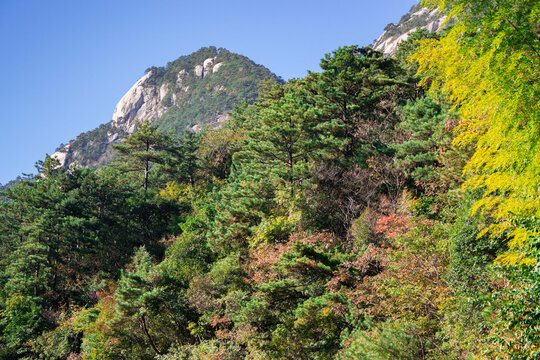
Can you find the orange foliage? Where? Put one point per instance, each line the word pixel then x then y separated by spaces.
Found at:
pixel 392 225
pixel 263 257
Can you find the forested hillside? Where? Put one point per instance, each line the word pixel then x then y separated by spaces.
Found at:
pixel 381 208
pixel 187 94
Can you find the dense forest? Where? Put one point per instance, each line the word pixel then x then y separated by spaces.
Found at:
pixel 381 208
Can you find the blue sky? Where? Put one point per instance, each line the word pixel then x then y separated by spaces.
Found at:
pixel 65 64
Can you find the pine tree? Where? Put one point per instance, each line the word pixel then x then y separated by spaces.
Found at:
pixel 281 136
pixel 357 97
pixel 426 140
pixel 182 162
pixel 139 151
pixel 136 293
pixel 357 94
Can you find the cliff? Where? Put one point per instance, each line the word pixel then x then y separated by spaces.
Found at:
pixel 189 93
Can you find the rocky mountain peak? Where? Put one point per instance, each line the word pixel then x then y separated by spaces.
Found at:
pixel 189 93
pixel 145 100
pixel 417 17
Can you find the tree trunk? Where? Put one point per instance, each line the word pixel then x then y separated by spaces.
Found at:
pixel 146 176
pixel 146 166
pixel 145 329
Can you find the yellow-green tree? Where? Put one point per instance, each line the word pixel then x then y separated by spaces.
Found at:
pixel 488 64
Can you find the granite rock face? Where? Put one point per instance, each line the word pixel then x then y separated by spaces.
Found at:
pixel 217 66
pixel 199 70
pixel 207 66
pixel 168 94
pixel 417 17
pixel 141 102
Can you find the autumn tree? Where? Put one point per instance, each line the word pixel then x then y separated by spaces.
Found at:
pixel 487 64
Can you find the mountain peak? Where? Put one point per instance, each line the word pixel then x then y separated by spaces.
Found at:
pixel 417 17
pixel 188 93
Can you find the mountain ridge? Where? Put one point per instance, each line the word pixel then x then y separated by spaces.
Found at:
pixel 191 92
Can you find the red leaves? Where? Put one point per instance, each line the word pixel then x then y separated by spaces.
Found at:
pixel 221 321
pixel 392 225
pixel 263 258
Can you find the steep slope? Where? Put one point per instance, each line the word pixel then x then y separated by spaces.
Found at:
pixel 417 17
pixel 190 92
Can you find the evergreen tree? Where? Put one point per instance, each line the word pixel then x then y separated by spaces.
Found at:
pixel 357 98
pixel 426 137
pixel 182 163
pixel 357 93
pixel 280 138
pixel 139 151
pixel 137 296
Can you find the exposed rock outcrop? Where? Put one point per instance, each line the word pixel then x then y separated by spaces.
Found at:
pixel 180 77
pixel 207 66
pixel 181 96
pixel 61 155
pixel 217 66
pixel 217 123
pixel 199 70
pixel 141 102
pixel 417 17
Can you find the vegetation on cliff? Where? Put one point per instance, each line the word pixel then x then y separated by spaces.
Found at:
pixel 190 100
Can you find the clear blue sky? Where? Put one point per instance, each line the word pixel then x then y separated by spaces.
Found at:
pixel 65 64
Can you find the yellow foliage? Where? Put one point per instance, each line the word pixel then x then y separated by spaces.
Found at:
pixel 490 69
pixel 175 191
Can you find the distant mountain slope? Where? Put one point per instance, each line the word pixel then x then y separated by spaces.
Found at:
pixel 190 92
pixel 9 185
pixel 417 17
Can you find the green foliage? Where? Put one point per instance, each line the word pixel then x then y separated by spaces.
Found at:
pixel 275 230
pixel 182 164
pixel 20 320
pixel 387 341
pixel 281 138
pixel 312 331
pixel 324 221
pixel 518 333
pixel 60 343
pixel 487 65
pixel 141 150
pixel 423 155
pixel 356 99
pixel 136 297
pixel 206 350
pixel 92 148
pixel 11 184
pixel 217 93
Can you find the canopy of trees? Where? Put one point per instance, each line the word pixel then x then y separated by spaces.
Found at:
pixel 382 208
